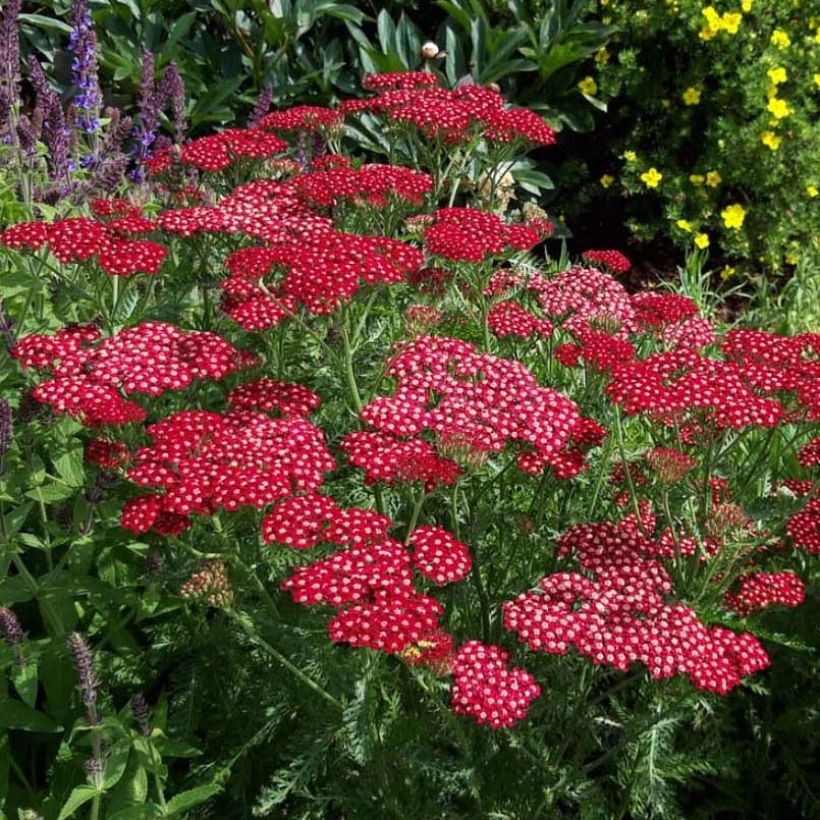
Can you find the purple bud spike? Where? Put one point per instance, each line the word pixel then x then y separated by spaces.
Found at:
pixel 10 627
pixel 262 106
pixel 86 677
pixel 9 62
pixel 173 88
pixel 142 714
pixel 5 431
pixel 55 133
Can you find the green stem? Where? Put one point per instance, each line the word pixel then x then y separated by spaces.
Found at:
pixel 350 374
pixel 281 659
pixel 627 472
pixel 414 517
pixel 475 572
pixel 156 760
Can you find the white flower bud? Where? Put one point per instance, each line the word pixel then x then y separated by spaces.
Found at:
pixel 429 51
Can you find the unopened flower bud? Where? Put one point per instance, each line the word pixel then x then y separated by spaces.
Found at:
pixel 429 51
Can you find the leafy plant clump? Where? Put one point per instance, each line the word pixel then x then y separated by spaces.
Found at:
pixel 713 127
pixel 328 491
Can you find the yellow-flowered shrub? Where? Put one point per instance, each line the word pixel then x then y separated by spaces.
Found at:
pixel 714 124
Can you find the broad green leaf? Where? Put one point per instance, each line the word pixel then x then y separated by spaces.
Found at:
pixel 70 467
pixel 15 714
pixel 24 678
pixel 77 798
pixel 41 21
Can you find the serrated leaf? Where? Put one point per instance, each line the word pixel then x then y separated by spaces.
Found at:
pixel 193 797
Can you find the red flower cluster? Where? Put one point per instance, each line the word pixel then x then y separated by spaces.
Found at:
pixel 804 528
pixel 301 118
pixel 115 207
pixel 583 299
pixel 671 465
pixel 654 310
pixel 510 319
pixel 202 461
pixel 486 689
pixel 304 521
pixel 617 614
pixel 374 185
pixel 446 387
pixel 388 459
pixel 322 271
pixel 471 235
pixel 761 590
pixel 392 80
pixel 270 396
pixel 602 351
pixel 78 239
pixel 105 454
pixel 219 151
pixel 439 556
pixel 372 579
pixel 776 364
pixel 450 115
pixel 809 455
pixel 614 260
pixel 671 385
pixel 151 358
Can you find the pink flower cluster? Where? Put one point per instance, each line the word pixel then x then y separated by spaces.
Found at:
pixel 477 401
pixel 616 614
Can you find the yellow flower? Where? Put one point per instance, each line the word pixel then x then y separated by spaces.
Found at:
pixel 746 6
pixel 630 156
pixel 811 191
pixel 588 86
pixel 708 33
pixel 713 179
pixel 777 75
pixel 778 108
pixel 771 140
pixel 691 96
pixel 684 225
pixel 712 17
pixel 792 258
pixel 702 240
pixel 817 79
pixel 733 216
pixel 607 180
pixel 730 22
pixel 780 39
pixel 602 56
pixel 727 273
pixel 697 179
pixel 652 178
